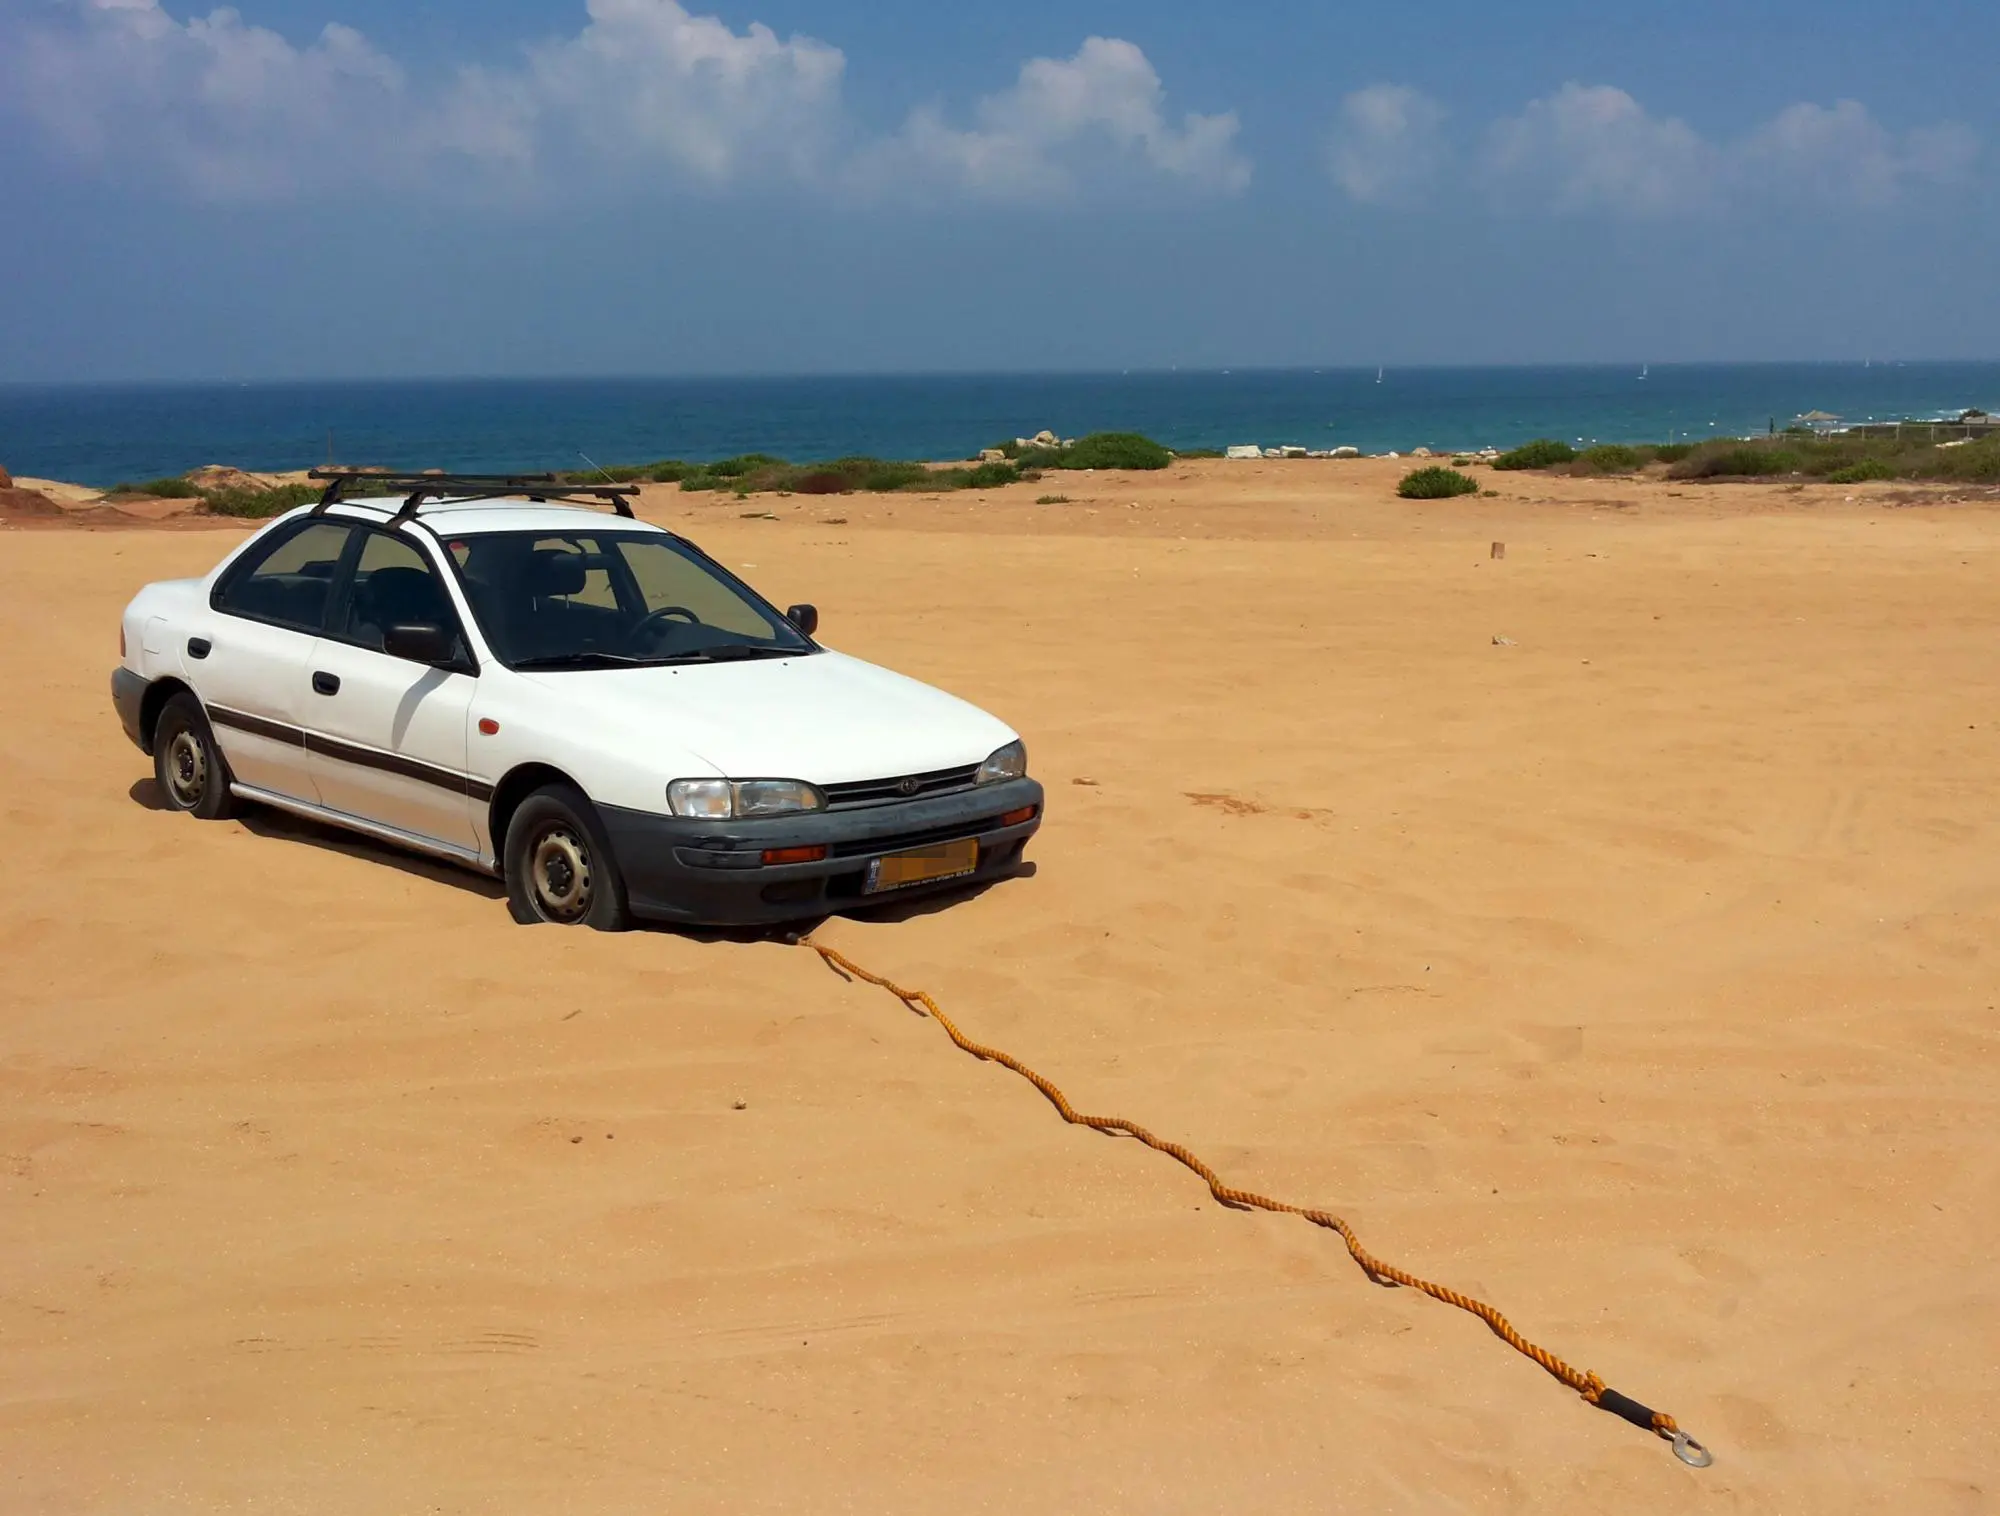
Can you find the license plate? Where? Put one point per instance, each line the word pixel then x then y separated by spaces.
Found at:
pixel 923 865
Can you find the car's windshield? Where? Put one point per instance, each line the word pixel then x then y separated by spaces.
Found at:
pixel 612 599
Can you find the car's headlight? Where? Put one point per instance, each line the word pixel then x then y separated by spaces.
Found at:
pixel 738 799
pixel 1009 762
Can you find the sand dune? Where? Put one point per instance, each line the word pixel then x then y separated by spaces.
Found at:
pixel 1639 975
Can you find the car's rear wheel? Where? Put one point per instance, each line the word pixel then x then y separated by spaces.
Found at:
pixel 559 864
pixel 187 765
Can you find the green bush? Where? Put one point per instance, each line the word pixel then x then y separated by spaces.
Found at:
pixel 736 468
pixel 1980 461
pixel 159 489
pixel 1862 472
pixel 823 481
pixel 669 471
pixel 255 505
pixel 1672 452
pixel 1737 460
pixel 991 475
pixel 1188 454
pixel 1052 500
pixel 1543 452
pixel 1436 483
pixel 881 476
pixel 1611 458
pixel 1107 450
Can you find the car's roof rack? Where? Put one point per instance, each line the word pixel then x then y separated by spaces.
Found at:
pixel 460 489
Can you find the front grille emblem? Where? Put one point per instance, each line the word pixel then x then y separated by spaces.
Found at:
pixel 908 787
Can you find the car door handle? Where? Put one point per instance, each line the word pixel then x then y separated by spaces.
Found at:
pixel 199 647
pixel 326 684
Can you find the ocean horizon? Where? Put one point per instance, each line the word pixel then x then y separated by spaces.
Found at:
pixel 104 433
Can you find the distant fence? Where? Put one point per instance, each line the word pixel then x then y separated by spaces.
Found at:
pixel 1914 431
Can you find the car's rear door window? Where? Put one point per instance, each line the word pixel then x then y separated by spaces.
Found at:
pixel 287 582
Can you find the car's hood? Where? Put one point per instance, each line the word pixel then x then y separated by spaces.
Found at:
pixel 825 718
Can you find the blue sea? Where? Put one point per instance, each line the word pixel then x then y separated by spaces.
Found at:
pixel 102 434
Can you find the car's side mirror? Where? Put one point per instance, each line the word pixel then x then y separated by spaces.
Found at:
pixel 423 642
pixel 804 617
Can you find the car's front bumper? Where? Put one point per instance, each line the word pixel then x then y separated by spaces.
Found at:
pixel 128 695
pixel 712 873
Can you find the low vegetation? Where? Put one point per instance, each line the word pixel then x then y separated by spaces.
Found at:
pixel 1543 452
pixel 1436 483
pixel 159 489
pixel 761 473
pixel 1843 459
pixel 253 504
pixel 249 503
pixel 1098 450
pixel 1611 458
pixel 1795 453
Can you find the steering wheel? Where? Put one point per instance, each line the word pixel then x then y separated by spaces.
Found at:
pixel 644 626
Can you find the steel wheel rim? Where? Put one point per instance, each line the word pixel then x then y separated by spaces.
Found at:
pixel 559 875
pixel 186 769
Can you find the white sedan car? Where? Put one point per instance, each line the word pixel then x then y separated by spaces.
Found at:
pixel 489 671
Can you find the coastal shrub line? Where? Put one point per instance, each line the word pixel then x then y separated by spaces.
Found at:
pixel 761 473
pixel 1543 452
pixel 1796 453
pixel 249 504
pixel 255 505
pixel 1436 483
pixel 1843 460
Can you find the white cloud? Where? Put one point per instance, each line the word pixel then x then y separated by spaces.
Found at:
pixel 1594 147
pixel 1844 153
pixel 236 111
pixel 1389 143
pixel 230 108
pixel 1062 117
pixel 644 83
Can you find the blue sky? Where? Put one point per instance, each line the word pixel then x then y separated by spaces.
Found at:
pixel 632 186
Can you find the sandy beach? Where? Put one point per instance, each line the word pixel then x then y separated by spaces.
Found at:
pixel 1607 930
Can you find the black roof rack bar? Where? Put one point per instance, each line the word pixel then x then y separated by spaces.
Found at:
pixel 465 488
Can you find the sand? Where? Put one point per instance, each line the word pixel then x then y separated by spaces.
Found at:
pixel 1638 975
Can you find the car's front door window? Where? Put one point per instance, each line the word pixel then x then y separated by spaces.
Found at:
pixel 393 585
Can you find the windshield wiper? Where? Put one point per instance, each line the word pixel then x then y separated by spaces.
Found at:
pixel 734 652
pixel 586 660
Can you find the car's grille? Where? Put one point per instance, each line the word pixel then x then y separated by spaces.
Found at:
pixel 843 797
pixel 868 847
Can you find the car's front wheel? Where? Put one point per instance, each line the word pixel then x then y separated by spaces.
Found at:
pixel 187 765
pixel 559 864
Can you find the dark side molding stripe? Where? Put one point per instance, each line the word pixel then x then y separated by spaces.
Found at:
pixel 347 752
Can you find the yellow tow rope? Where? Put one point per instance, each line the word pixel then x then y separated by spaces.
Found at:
pixel 1588 1385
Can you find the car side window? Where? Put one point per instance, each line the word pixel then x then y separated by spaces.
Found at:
pixel 287 585
pixel 394 585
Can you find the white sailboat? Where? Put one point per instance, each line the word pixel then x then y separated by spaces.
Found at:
pixel 1645 369
pixel 1378 376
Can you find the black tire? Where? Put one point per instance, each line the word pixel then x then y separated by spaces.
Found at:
pixel 189 768
pixel 560 869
